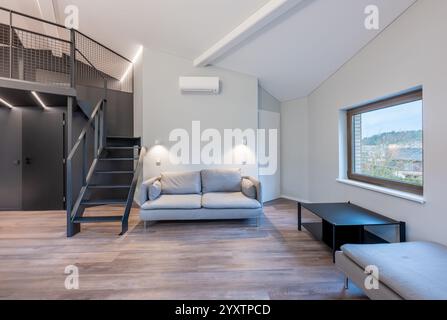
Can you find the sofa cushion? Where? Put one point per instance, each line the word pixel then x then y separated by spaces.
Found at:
pixel 414 270
pixel 174 201
pixel 248 188
pixel 199 214
pixel 154 190
pixel 221 180
pixel 228 200
pixel 144 191
pixel 181 182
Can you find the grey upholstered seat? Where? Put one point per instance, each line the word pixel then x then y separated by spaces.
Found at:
pixel 413 270
pixel 174 201
pixel 228 200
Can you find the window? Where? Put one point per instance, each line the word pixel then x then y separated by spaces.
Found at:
pixel 385 143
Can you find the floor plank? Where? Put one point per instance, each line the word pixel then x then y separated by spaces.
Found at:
pixel 172 260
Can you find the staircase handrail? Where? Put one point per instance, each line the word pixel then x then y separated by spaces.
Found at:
pixel 133 187
pixel 96 118
pixel 85 129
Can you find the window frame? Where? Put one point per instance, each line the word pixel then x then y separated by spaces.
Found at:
pixel 407 97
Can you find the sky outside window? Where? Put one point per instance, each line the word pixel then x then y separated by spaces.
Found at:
pixel 404 117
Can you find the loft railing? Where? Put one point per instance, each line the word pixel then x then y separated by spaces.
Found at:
pixel 36 50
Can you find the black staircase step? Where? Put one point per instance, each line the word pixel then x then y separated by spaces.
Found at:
pixel 122 148
pixel 114 172
pixel 111 186
pixel 123 138
pixel 123 141
pixel 97 219
pixel 103 202
pixel 118 159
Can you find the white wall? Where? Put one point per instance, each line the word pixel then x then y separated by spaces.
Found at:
pixel 411 52
pixel 268 102
pixel 270 118
pixel 294 150
pixel 271 183
pixel 165 108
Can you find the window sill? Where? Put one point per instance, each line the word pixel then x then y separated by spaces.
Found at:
pixel 391 192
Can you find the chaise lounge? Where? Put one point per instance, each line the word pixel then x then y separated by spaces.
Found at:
pixel 216 194
pixel 407 271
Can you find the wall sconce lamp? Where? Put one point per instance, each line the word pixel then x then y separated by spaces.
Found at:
pixel 157 145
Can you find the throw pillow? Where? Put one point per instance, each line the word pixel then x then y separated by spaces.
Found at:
pixel 154 190
pixel 248 188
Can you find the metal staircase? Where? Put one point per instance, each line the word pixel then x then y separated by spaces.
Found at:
pixel 112 176
pixel 100 169
pixel 111 181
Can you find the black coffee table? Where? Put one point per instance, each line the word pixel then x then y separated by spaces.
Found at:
pixel 345 223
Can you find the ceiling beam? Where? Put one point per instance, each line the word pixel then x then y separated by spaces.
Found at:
pixel 268 13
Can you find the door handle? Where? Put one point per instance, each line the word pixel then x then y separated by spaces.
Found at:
pixel 27 160
pixel 17 163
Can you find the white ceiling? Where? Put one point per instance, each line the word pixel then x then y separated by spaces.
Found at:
pixel 182 27
pixel 38 8
pixel 291 56
pixel 25 6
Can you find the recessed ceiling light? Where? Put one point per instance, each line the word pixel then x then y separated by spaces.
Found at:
pixel 134 60
pixel 6 103
pixel 38 99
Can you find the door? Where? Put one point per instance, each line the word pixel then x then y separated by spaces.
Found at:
pixel 42 158
pixel 271 183
pixel 10 159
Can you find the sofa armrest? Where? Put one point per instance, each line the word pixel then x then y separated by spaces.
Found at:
pixel 258 187
pixel 145 188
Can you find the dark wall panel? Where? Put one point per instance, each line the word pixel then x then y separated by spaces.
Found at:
pixel 119 109
pixel 10 158
pixel 42 159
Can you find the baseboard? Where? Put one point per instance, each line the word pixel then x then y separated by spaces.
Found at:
pixel 294 199
pixel 277 198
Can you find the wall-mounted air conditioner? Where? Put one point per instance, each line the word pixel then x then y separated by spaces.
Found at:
pixel 209 85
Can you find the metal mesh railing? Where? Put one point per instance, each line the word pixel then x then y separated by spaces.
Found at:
pixel 43 55
pixel 4 51
pixel 40 58
pixel 116 69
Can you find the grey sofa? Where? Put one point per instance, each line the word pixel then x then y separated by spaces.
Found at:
pixel 202 195
pixel 407 271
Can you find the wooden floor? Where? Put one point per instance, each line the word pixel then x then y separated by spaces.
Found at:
pixel 195 260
